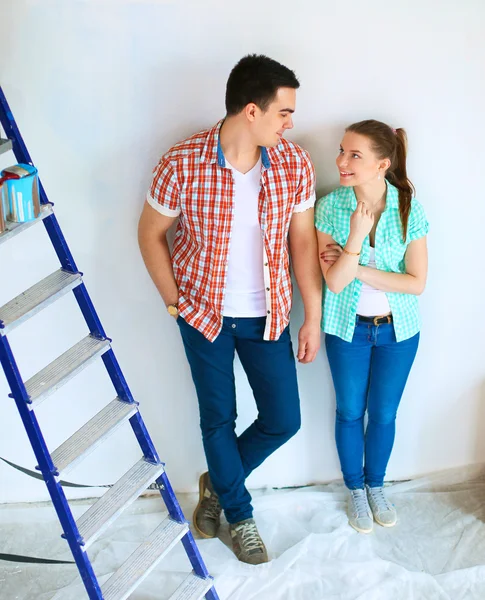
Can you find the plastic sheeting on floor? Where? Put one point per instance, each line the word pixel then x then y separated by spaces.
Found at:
pixel 436 551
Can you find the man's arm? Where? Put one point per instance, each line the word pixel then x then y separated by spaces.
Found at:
pixel 152 239
pixel 304 257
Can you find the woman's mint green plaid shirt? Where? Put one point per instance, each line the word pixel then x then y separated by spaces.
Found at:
pixel 332 216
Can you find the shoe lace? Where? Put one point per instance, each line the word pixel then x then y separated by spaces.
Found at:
pixel 250 537
pixel 380 499
pixel 360 503
pixel 213 507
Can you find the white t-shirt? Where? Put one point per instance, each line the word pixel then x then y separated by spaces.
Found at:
pixel 372 302
pixel 245 291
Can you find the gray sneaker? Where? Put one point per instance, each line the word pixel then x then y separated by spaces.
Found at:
pixel 207 515
pixel 384 512
pixel 247 543
pixel 360 515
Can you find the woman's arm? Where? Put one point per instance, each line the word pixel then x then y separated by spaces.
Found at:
pixel 338 273
pixel 342 270
pixel 412 282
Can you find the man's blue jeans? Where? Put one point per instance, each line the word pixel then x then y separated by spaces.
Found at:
pixel 270 368
pixel 368 373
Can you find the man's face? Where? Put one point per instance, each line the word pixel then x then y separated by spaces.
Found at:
pixel 269 127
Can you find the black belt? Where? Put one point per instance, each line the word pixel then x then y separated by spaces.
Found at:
pixel 376 320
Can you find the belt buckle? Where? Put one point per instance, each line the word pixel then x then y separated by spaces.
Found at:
pixel 377 319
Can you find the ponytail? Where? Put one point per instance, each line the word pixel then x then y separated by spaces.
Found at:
pixel 397 175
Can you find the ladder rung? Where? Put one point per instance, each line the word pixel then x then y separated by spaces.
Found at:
pixel 5 145
pixel 15 228
pixel 36 298
pixel 92 434
pixel 109 507
pixel 193 588
pixel 145 558
pixel 64 368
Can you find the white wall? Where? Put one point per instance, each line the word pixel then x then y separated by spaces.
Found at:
pixel 101 89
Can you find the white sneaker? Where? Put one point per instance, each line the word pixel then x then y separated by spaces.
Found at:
pixel 360 514
pixel 384 512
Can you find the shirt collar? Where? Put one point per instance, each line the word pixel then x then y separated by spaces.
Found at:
pixel 212 150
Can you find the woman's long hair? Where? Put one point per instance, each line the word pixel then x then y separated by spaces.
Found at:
pixel 391 143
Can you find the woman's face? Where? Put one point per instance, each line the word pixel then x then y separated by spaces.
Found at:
pixel 357 162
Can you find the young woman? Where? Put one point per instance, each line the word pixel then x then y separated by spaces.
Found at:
pixel 372 245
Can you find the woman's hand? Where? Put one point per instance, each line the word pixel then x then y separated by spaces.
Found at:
pixel 331 254
pixel 361 222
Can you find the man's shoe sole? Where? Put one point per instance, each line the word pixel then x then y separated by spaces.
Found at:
pixel 194 522
pixel 263 562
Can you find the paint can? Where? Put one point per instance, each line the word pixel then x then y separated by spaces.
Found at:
pixel 20 193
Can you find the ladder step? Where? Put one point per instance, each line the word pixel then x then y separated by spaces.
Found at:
pixel 108 508
pixel 36 298
pixel 5 145
pixel 15 228
pixel 92 434
pixel 193 588
pixel 145 558
pixel 64 368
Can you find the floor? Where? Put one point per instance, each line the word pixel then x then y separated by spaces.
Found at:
pixel 436 551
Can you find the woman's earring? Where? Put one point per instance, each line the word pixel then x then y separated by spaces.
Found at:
pixel 379 175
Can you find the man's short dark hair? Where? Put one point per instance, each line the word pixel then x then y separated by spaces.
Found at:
pixel 256 78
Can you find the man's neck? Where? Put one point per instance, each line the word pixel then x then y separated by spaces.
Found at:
pixel 237 146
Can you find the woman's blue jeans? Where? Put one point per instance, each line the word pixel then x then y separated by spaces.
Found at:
pixel 369 373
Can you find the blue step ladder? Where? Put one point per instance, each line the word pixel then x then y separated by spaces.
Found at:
pixel 29 394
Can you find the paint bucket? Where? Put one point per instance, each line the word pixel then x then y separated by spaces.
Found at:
pixel 20 193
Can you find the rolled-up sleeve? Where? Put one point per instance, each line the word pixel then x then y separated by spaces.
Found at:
pixel 323 216
pixel 418 225
pixel 163 194
pixel 305 195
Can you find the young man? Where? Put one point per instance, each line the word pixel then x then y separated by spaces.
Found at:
pixel 241 192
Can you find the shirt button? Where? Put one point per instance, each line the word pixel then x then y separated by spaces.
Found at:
pixel 265 264
pixel 269 312
pixel 267 289
pixel 234 326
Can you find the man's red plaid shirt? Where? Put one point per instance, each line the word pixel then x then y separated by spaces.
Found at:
pixel 192 182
